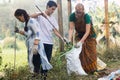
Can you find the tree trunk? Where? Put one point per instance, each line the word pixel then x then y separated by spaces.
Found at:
pixel 60 21
pixel 106 23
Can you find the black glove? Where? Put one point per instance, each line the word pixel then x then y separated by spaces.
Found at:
pixel 16 30
pixel 65 40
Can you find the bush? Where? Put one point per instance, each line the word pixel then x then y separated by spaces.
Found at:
pixel 0 50
pixel 10 43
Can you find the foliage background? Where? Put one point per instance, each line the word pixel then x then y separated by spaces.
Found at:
pixel 7 40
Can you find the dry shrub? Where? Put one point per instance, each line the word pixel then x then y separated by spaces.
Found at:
pixel 112 54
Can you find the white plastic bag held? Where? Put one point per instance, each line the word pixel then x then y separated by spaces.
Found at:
pixel 73 61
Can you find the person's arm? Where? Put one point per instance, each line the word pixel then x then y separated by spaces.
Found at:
pixel 87 32
pixel 71 30
pixel 55 28
pixel 22 33
pixel 71 26
pixel 35 15
pixel 58 34
pixel 88 28
pixel 35 30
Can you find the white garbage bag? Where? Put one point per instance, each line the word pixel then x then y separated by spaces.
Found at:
pixel 111 76
pixel 73 61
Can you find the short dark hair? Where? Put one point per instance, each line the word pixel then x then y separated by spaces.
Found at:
pixel 51 3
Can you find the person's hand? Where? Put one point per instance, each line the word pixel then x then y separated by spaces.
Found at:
pixel 35 49
pixel 78 44
pixel 43 15
pixel 64 40
pixel 68 45
pixel 21 32
pixel 16 30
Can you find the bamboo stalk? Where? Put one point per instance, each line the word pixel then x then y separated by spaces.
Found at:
pixel 106 23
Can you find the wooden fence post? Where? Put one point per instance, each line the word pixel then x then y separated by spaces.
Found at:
pixel 106 23
pixel 60 21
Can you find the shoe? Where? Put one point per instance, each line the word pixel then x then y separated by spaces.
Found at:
pixel 44 76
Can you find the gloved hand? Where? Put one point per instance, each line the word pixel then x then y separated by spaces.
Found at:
pixel 78 44
pixel 16 30
pixel 68 46
pixel 35 49
pixel 66 41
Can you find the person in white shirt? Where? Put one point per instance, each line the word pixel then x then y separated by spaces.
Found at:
pixel 35 48
pixel 48 25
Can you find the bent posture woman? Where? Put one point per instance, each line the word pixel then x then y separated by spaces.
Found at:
pixel 81 22
pixel 36 53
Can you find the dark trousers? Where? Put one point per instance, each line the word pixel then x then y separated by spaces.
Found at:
pixel 36 62
pixel 48 49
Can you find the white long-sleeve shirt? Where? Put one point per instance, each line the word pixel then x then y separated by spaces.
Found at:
pixel 46 29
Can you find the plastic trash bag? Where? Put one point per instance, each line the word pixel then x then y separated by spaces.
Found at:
pixel 73 61
pixel 110 76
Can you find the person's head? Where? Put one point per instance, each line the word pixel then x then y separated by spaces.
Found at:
pixel 21 15
pixel 50 7
pixel 79 9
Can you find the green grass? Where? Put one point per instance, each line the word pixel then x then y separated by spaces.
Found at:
pixel 59 72
pixel 9 56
